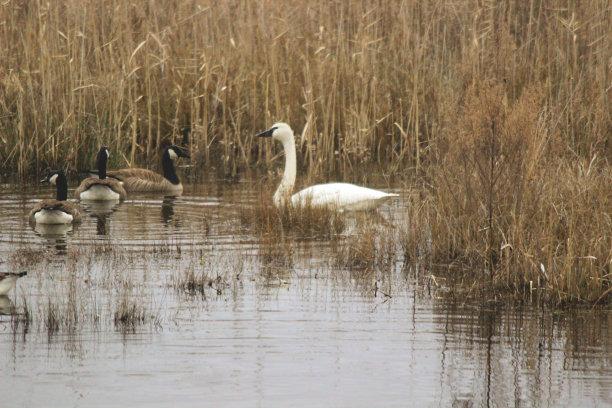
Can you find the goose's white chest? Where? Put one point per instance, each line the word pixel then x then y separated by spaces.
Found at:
pixel 99 193
pixel 52 217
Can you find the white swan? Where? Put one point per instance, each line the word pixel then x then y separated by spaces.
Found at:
pixel 340 196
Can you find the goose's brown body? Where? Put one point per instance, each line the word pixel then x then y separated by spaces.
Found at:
pixel 58 210
pixel 51 204
pixel 143 180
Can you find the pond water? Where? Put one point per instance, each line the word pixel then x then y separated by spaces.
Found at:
pixel 277 321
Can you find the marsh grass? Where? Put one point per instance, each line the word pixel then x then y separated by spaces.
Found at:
pixel 211 275
pixel 500 110
pixel 89 288
pixel 508 213
pixel 193 282
pixel 23 318
pixel 130 313
pixel 372 247
pixel 358 82
pixel 265 219
pixel 278 229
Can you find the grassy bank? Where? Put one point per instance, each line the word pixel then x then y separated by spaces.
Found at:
pixel 499 114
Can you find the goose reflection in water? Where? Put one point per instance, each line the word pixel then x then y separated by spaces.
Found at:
pixel 55 235
pixel 100 211
pixel 7 307
pixel 100 207
pixel 101 225
pixel 167 210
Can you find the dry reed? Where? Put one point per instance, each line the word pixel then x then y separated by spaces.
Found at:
pixel 358 81
pixel 501 110
pixel 511 209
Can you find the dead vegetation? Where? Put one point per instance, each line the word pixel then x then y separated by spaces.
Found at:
pixel 499 112
pixel 265 219
pixel 512 208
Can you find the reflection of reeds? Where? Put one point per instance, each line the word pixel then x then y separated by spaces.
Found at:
pixel 129 313
pixel 22 319
pixel 52 316
pixel 208 276
pixel 193 282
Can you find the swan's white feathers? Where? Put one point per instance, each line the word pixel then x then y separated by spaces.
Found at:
pixel 342 196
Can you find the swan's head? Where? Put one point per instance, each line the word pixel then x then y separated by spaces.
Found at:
pixel 175 152
pixel 279 131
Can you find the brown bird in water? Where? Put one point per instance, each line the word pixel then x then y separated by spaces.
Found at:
pixel 58 211
pixel 101 188
pixel 144 180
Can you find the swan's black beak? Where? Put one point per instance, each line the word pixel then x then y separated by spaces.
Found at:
pixel 45 180
pixel 267 133
pixel 185 155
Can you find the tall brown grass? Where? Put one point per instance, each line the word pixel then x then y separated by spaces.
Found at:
pixel 358 81
pixel 514 207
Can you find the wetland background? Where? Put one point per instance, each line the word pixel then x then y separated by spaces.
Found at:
pixel 491 119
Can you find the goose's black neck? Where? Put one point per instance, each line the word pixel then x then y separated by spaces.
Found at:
pixel 62 187
pixel 101 162
pixel 169 172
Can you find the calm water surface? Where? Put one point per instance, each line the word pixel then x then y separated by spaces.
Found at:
pixel 264 332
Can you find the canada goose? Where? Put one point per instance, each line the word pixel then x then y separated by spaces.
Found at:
pixel 340 196
pixel 8 281
pixel 143 180
pixel 58 211
pixel 101 188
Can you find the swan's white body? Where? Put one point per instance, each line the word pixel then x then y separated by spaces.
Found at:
pixel 339 196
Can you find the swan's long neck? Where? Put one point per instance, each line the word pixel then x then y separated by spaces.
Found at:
pixel 283 192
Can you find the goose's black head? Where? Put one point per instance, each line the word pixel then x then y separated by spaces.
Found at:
pixel 58 178
pixel 54 177
pixel 103 154
pixel 171 154
pixel 101 161
pixel 175 152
